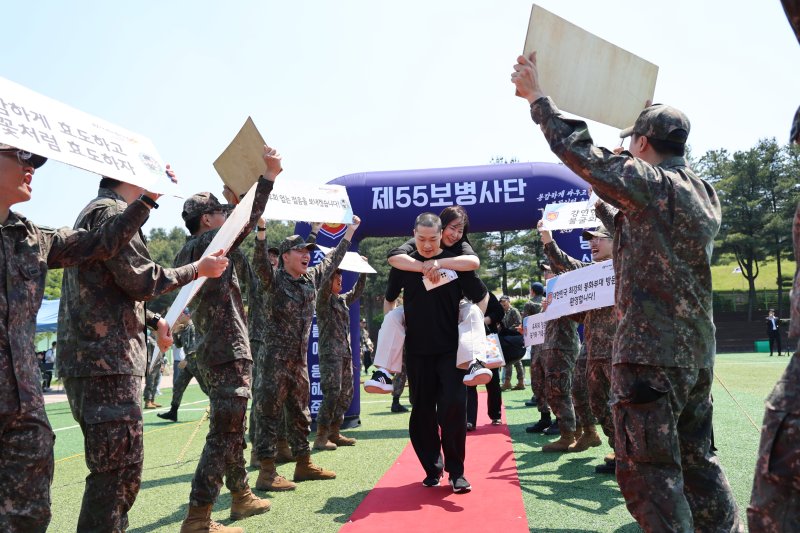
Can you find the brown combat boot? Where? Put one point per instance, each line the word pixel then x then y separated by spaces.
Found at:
pixel 245 504
pixel 562 444
pixel 305 470
pixel 520 385
pixel 578 432
pixel 506 384
pixel 338 439
pixel 284 454
pixel 322 442
pixel 588 439
pixel 198 520
pixel 270 480
pixel 150 404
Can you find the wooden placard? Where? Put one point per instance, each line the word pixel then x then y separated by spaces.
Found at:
pixel 242 162
pixel 586 75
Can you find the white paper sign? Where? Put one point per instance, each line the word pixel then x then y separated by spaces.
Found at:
pixel 352 262
pixel 584 289
pixel 533 327
pixel 320 203
pixel 32 122
pixel 445 276
pixel 569 215
pixel 237 220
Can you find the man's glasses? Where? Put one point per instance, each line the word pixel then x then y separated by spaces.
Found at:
pixel 23 157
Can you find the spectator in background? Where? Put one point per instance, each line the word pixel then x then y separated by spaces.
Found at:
pixel 48 363
pixel 774 332
pixel 512 320
pixel 366 346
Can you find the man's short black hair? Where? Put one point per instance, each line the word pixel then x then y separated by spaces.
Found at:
pixel 667 148
pixel 193 224
pixel 109 183
pixel 428 220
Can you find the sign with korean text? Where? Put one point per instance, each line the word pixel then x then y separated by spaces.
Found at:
pixel 583 289
pixel 533 328
pixel 226 235
pixel 572 215
pixel 32 122
pixel 352 262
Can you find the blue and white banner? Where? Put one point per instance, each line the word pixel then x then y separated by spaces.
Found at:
pixel 584 289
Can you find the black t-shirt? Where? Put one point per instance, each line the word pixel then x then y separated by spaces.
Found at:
pixel 431 316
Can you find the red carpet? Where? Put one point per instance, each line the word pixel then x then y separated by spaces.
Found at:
pixel 399 502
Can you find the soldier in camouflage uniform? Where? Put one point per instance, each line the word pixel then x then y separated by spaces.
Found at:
pixel 533 307
pixel 223 359
pixel 101 332
pixel 599 328
pixel 26 252
pixel 559 352
pixel 774 503
pixel 663 355
pixel 292 291
pixel 152 375
pixel 335 359
pixel 185 336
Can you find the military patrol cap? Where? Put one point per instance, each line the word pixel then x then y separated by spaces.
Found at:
pixel 295 242
pixel 505 298
pixel 660 122
pixel 273 250
pixel 600 233
pixel 537 288
pixel 200 204
pixel 35 160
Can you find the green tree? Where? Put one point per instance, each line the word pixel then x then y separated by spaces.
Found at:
pixel 52 284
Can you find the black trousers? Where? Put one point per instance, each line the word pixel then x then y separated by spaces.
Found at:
pixel 439 397
pixel 493 401
pixel 774 337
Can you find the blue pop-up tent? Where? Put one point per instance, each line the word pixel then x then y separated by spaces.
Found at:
pixel 47 317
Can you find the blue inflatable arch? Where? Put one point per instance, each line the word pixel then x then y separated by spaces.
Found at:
pixel 500 197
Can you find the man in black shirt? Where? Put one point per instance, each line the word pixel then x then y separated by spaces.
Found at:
pixel 439 394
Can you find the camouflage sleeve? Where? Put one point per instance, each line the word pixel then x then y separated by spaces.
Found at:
pixel 605 213
pixel 311 239
pixel 622 180
pixel 355 293
pixel 328 266
pixel 67 247
pixel 559 260
pixel 262 266
pixel 263 191
pixel 794 327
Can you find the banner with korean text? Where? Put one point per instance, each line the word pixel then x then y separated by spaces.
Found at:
pixel 34 123
pixel 567 216
pixel 584 289
pixel 533 328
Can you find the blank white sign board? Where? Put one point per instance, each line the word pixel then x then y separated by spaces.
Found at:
pixel 586 75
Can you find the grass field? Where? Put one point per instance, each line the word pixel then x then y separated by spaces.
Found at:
pixel 725 279
pixel 561 493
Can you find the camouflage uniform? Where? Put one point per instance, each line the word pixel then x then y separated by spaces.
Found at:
pixel 534 307
pixel 289 312
pixel 187 339
pixel 101 333
pixel 774 503
pixel 26 439
pixel 599 328
pixel 664 347
pixel 223 354
pixel 511 320
pixel 335 354
pixel 153 376
pixel 558 354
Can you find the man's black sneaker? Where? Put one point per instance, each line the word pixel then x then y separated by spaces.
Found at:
pixel 460 485
pixel 553 429
pixel 380 383
pixel 432 481
pixel 606 468
pixel 540 426
pixel 533 402
pixel 478 374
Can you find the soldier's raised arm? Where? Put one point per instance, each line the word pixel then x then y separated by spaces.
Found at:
pixel 331 262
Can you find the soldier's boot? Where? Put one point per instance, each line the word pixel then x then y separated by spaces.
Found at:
pixel 270 480
pixel 610 457
pixel 284 452
pixel 150 404
pixel 506 384
pixel 305 470
pixel 322 442
pixel 198 520
pixel 588 439
pixel 245 504
pixel 544 422
pixel 578 432
pixel 172 414
pixel 562 444
pixel 338 439
pixel 520 384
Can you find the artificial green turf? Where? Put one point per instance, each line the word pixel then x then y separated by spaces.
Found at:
pixel 560 493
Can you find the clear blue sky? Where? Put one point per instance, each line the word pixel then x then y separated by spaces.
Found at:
pixel 350 86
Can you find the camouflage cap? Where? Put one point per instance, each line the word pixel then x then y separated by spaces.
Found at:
pixel 35 160
pixel 273 250
pixel 660 122
pixel 295 242
pixel 201 204
pixel 504 298
pixel 601 233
